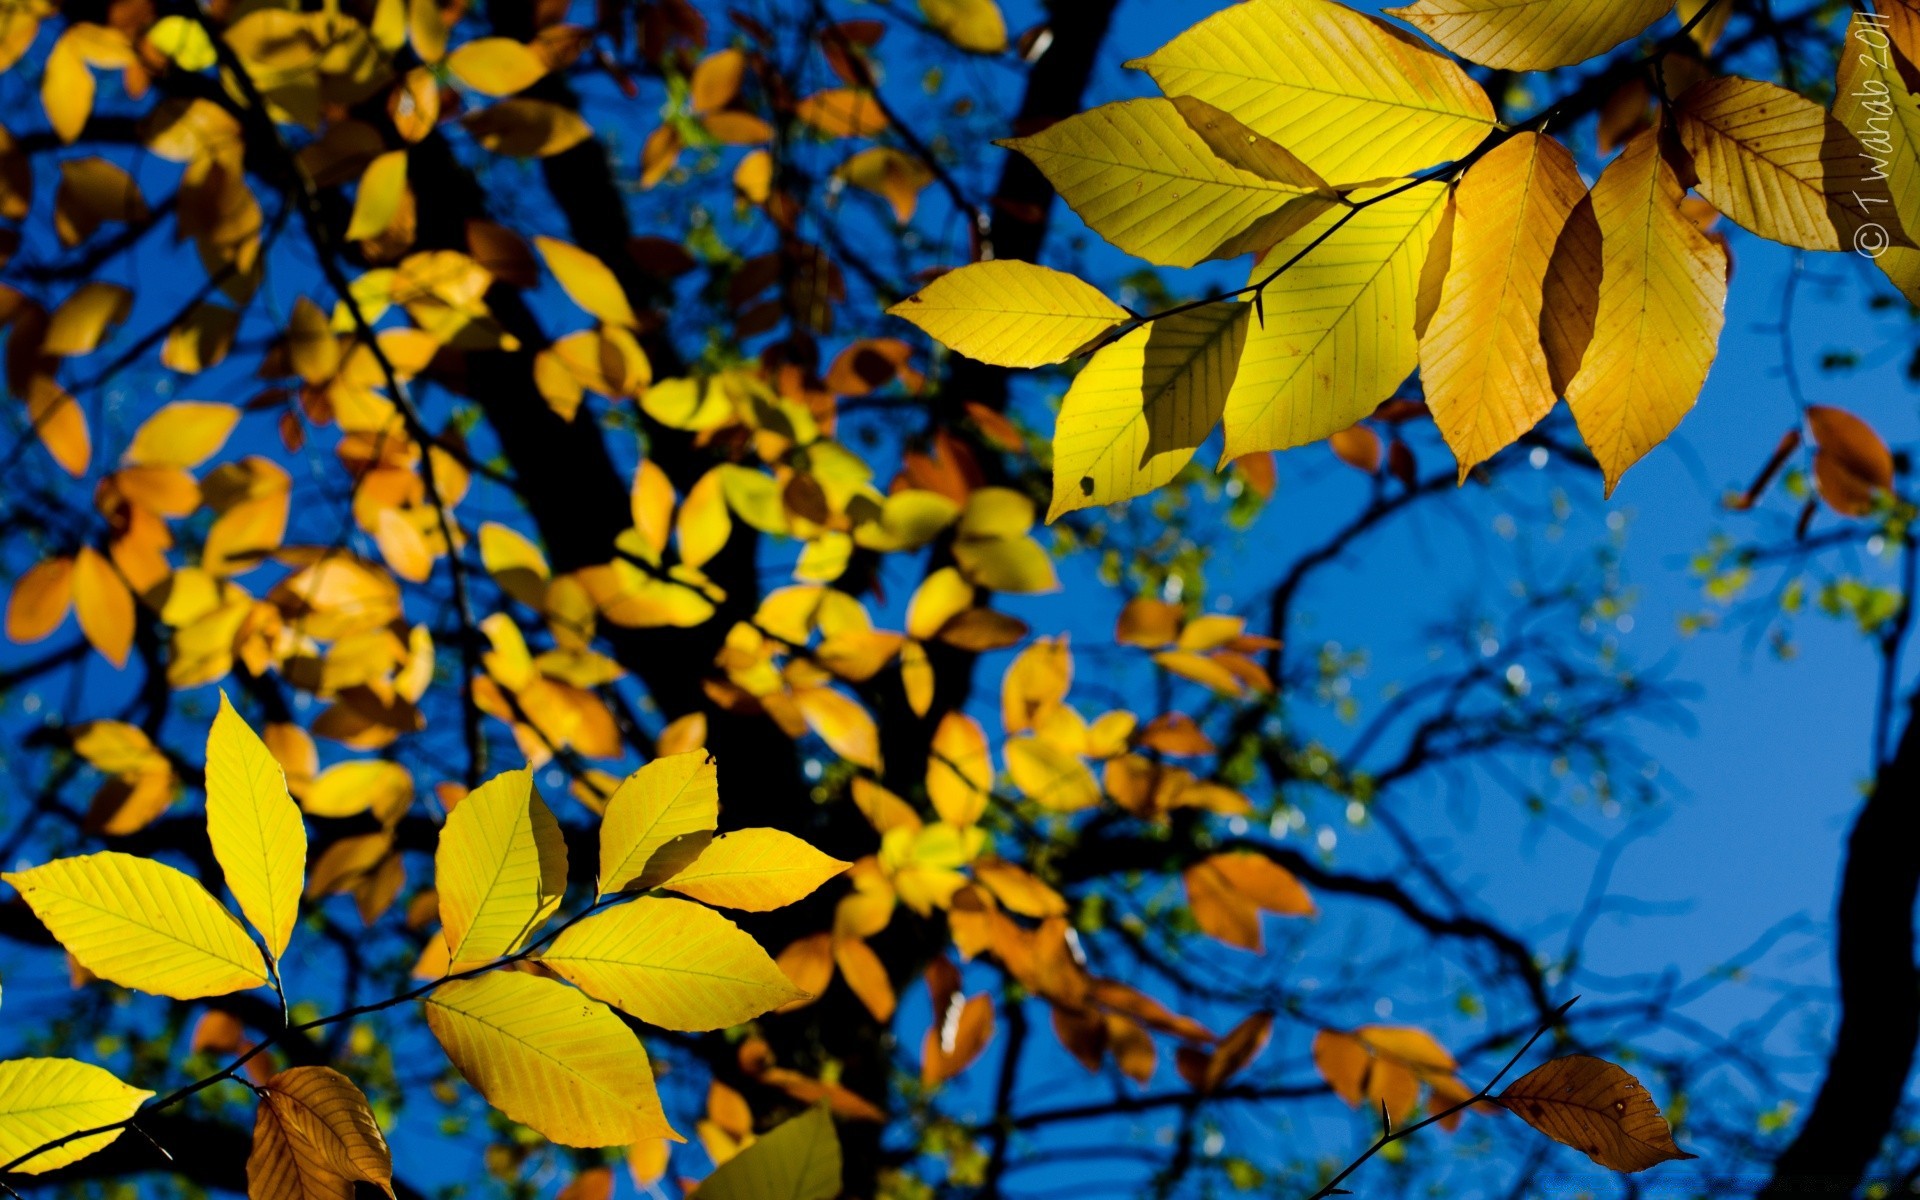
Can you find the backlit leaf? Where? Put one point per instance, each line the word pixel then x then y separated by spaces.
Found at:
pixel 1779 165
pixel 757 870
pixel 797 1160
pixel 1481 362
pixel 1338 337
pixel 255 827
pixel 1142 178
pixel 1663 294
pixel 142 925
pixel 1142 406
pixel 1531 35
pixel 1309 73
pixel 45 1099
pixel 549 1057
pixel 1876 101
pixel 1598 1109
pixel 656 821
pixel 671 963
pixel 1011 314
pixel 501 868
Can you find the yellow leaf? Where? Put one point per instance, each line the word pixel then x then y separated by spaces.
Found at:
pixel 60 423
pixel 350 788
pixel 550 1058
pixel 1870 84
pixel 1137 412
pixel 671 963
pixel 974 25
pixel 883 810
pixel 515 563
pixel 501 869
pixel 40 600
pixel 1309 73
pixel 1338 337
pixel 1142 178
pixel 1228 892
pixel 1597 1108
pixel 657 821
pixel 893 174
pixel 1018 565
pixel 329 1134
pixel 1531 35
pixel 183 40
pixel 959 770
pixel 46 1099
pixel 1481 361
pixel 1663 295
pixel 103 604
pixel 842 112
pixel 1049 776
pixel 182 434
pixel 797 1160
pixel 1780 166
pixel 255 828
pixel 403 545
pixel 427 29
pixel 756 870
pixel 525 128
pixel 383 190
pixel 587 281
pixel 1011 313
pixel 67 89
pixel 142 925
pixel 496 66
pixel 867 976
pixel 842 723
pixel 82 320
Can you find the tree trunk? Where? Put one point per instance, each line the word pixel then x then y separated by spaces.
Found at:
pixel 1879 993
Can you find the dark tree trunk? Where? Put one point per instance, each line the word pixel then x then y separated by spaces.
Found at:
pixel 1879 993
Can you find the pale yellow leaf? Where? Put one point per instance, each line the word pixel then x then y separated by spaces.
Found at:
pixel 671 963
pixel 1011 313
pixel 46 1099
pixel 1338 337
pixel 756 870
pixel 142 925
pixel 550 1058
pixel 1142 178
pixel 501 869
pixel 1313 74
pixel 657 821
pixel 255 827
pixel 1142 406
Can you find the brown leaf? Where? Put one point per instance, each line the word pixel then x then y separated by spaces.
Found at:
pixel 1598 1109
pixel 1852 464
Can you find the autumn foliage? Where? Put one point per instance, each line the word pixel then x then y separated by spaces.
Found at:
pixel 474 530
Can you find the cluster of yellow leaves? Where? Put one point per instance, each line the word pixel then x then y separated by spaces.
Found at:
pixel 538 1050
pixel 1503 280
pixel 556 1058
